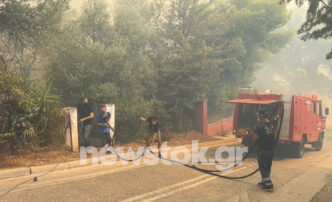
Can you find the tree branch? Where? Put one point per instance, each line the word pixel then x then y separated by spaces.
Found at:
pixel 325 4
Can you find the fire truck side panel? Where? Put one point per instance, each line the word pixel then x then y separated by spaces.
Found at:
pixel 292 120
pixel 235 117
pixel 308 120
pixel 286 124
pixel 313 133
pixel 320 120
pixel 317 122
pixel 301 108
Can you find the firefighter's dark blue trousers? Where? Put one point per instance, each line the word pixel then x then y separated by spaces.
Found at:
pixel 264 158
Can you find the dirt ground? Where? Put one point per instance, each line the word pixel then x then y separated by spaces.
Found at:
pixel 37 157
pixel 182 139
pixel 48 155
pixel 325 193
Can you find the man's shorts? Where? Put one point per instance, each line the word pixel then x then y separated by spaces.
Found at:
pixel 158 135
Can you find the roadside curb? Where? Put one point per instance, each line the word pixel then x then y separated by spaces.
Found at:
pixel 38 170
pixel 16 172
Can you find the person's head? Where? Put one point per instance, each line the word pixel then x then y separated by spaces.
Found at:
pixel 262 115
pixel 154 120
pixel 102 108
pixel 85 100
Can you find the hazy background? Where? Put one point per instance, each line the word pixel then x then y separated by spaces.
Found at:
pixel 148 57
pixel 301 67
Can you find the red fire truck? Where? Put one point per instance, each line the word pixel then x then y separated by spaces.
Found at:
pixel 303 120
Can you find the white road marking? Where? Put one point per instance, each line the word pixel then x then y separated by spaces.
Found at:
pixel 172 189
pixel 244 196
pixel 55 181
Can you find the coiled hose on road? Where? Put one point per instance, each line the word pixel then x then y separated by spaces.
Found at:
pixel 213 172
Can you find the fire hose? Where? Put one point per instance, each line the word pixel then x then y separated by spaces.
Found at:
pixel 206 171
pixel 213 172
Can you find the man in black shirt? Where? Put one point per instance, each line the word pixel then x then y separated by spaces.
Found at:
pixel 85 116
pixel 266 141
pixel 153 128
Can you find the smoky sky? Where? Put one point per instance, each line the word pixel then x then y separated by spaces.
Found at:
pixel 301 67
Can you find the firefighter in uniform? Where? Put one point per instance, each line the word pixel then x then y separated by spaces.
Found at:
pixel 265 141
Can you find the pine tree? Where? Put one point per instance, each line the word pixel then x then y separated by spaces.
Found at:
pixel 318 24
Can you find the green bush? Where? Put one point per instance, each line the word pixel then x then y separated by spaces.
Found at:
pixel 24 111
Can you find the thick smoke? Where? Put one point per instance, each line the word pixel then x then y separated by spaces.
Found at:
pixel 300 68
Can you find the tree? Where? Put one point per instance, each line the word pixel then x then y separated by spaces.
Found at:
pixel 24 28
pixel 95 21
pixel 255 31
pixel 209 50
pixel 318 24
pixel 104 61
pixel 165 54
pixel 186 65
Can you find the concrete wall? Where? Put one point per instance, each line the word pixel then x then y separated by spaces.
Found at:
pixel 201 117
pixel 71 133
pixel 111 108
pixel 216 128
pixel 220 127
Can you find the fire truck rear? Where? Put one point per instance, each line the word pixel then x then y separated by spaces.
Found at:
pixel 303 121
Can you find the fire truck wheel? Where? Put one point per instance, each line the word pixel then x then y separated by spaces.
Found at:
pixel 299 148
pixel 319 144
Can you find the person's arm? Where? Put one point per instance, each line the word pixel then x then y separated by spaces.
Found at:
pixel 79 112
pixel 88 117
pixel 98 121
pixel 109 120
pixel 143 119
pixel 256 133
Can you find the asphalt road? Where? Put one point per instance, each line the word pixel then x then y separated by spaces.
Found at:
pixel 294 179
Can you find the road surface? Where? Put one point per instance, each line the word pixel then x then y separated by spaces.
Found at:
pixel 294 179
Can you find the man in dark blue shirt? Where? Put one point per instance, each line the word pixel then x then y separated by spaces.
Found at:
pixel 86 115
pixel 104 127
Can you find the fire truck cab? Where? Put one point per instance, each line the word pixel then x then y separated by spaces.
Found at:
pixel 303 121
